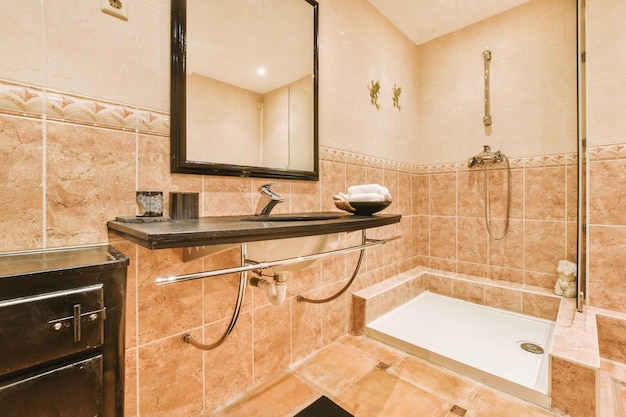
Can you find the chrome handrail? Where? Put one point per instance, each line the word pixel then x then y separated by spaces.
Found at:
pixel 487 59
pixel 254 265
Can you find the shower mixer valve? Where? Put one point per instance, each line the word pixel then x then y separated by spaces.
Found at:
pixel 485 156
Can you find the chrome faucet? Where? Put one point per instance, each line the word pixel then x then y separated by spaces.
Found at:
pixel 485 156
pixel 268 200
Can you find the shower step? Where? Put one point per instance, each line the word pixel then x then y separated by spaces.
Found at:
pixel 499 348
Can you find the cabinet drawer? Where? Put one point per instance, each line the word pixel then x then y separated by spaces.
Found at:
pixel 69 391
pixel 45 327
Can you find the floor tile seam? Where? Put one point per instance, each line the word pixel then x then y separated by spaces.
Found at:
pixel 370 355
pixel 320 390
pixel 466 406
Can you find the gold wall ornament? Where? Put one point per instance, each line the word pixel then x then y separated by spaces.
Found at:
pixel 374 88
pixel 396 96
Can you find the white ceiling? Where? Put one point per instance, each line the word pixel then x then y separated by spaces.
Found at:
pixel 424 20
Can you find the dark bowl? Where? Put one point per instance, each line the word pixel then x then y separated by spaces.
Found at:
pixel 363 208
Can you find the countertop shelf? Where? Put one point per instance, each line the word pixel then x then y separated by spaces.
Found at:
pixel 235 229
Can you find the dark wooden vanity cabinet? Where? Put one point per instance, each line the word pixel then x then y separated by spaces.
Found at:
pixel 62 333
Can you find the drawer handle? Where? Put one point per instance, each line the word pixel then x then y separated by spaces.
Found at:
pixel 77 322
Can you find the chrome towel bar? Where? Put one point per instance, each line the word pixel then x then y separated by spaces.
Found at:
pixel 250 265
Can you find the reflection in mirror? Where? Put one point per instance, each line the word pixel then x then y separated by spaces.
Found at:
pixel 244 88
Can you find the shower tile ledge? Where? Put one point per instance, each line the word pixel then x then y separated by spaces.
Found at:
pixel 576 336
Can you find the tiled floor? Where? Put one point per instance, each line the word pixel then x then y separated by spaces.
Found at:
pixel 370 379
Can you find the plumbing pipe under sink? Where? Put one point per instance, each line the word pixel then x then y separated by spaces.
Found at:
pixel 276 291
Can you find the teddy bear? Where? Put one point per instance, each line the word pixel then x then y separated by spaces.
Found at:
pixel 566 283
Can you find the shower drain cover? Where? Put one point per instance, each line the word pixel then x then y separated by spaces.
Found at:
pixel 532 348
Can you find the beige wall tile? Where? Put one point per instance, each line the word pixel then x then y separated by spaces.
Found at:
pixel 90 178
pixel 272 333
pixel 173 386
pixel 573 388
pixel 229 368
pixel 611 337
pixel 166 310
pixel 607 245
pixel 472 240
pixel 544 245
pixel 443 237
pixel 607 185
pixel 22 46
pixel 130 383
pixel 545 193
pixel 504 298
pixel 443 191
pixel 22 214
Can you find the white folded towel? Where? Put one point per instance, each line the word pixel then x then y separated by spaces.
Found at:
pixel 367 192
pixel 366 197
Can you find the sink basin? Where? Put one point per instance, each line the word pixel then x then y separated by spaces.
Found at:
pixel 290 217
pixel 272 250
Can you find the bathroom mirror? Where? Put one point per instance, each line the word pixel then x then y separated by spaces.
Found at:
pixel 244 89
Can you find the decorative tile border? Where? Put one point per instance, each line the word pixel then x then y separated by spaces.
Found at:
pixel 352 158
pixel 606 152
pixel 36 102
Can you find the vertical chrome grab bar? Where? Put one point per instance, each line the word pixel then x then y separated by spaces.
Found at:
pixel 487 59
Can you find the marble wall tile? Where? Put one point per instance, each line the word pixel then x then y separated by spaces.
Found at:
pixel 572 388
pixel 170 375
pixel 335 314
pixel 443 237
pixel 544 246
pixel 545 193
pixel 471 193
pixel 611 331
pixel 605 288
pixel 235 196
pixel 423 205
pixel 90 178
pixel 539 305
pixel 504 298
pixel 472 240
pixel 469 291
pixel 272 334
pixel 130 383
pixel 498 192
pixel 166 310
pixel 508 252
pixel 607 188
pixel 22 206
pixel 443 192
pixel 229 368
pixel 153 171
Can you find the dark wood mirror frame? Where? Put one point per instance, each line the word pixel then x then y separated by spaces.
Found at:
pixel 178 127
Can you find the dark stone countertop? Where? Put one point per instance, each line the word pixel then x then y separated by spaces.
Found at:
pixel 235 229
